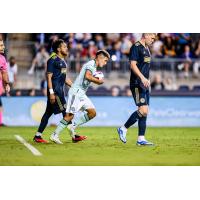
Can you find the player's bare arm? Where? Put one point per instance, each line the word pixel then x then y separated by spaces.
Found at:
pixel 135 69
pixel 50 86
pixel 5 81
pixel 90 77
pixel 68 82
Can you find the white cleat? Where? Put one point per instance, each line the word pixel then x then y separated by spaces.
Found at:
pixel 122 134
pixel 54 138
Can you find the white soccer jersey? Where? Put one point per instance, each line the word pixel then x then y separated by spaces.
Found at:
pixel 81 83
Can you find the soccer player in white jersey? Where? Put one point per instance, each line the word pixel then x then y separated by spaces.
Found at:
pixel 77 99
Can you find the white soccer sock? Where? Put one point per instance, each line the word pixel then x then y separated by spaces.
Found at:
pixel 81 120
pixel 38 134
pixel 62 125
pixel 141 138
pixel 71 128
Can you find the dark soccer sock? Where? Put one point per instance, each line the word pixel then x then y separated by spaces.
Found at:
pixel 142 126
pixel 132 119
pixel 44 122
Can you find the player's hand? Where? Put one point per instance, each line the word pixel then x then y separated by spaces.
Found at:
pixel 145 82
pixel 100 81
pixel 7 88
pixel 52 98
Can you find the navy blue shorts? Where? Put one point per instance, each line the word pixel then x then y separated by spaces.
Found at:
pixel 1 102
pixel 140 95
pixel 59 106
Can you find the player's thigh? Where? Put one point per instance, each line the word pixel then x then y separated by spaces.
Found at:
pixel 140 96
pixel 87 104
pixel 49 109
pixel 60 104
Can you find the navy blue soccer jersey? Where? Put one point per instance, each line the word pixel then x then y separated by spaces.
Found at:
pixel 142 56
pixel 58 67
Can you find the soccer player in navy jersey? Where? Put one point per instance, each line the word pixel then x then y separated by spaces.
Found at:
pixel 56 80
pixel 140 59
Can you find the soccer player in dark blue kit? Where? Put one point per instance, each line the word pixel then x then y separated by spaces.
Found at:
pixel 56 80
pixel 140 59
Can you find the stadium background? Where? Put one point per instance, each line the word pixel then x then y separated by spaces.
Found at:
pixel 175 77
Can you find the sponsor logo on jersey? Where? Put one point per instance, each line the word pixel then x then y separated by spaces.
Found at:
pixel 63 70
pixel 147 59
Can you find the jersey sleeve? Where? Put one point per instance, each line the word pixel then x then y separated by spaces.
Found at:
pixel 134 53
pixel 90 68
pixel 50 66
pixel 3 64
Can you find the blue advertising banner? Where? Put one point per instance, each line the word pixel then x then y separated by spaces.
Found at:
pixel 111 111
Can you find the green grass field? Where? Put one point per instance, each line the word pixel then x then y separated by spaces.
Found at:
pixel 174 146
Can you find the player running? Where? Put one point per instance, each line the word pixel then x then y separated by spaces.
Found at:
pixel 56 80
pixel 140 59
pixel 4 74
pixel 77 99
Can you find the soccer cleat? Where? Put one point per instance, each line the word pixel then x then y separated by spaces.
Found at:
pixel 39 139
pixel 78 138
pixel 54 138
pixel 144 143
pixel 122 135
pixel 3 125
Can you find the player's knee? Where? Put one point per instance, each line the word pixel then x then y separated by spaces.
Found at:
pixel 92 113
pixel 144 111
pixel 68 117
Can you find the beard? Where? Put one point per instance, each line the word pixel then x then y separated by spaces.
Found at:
pixel 64 53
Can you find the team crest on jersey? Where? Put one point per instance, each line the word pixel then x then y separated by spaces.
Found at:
pixel 72 109
pixel 147 59
pixel 142 100
pixel 63 70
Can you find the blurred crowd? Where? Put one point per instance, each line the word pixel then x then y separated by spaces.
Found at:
pixel 83 46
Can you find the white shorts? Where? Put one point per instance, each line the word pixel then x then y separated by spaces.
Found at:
pixel 78 102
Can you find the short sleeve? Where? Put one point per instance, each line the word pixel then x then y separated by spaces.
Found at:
pixel 50 66
pixel 134 53
pixel 90 68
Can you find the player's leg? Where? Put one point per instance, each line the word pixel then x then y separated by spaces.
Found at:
pixel 89 113
pixel 72 106
pixel 61 126
pixel 137 95
pixel 44 121
pixel 144 110
pixel 1 113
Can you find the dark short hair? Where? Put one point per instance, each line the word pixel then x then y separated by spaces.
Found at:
pixel 103 52
pixel 11 58
pixel 56 44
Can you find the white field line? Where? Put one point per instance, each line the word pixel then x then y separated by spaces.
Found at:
pixel 28 146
